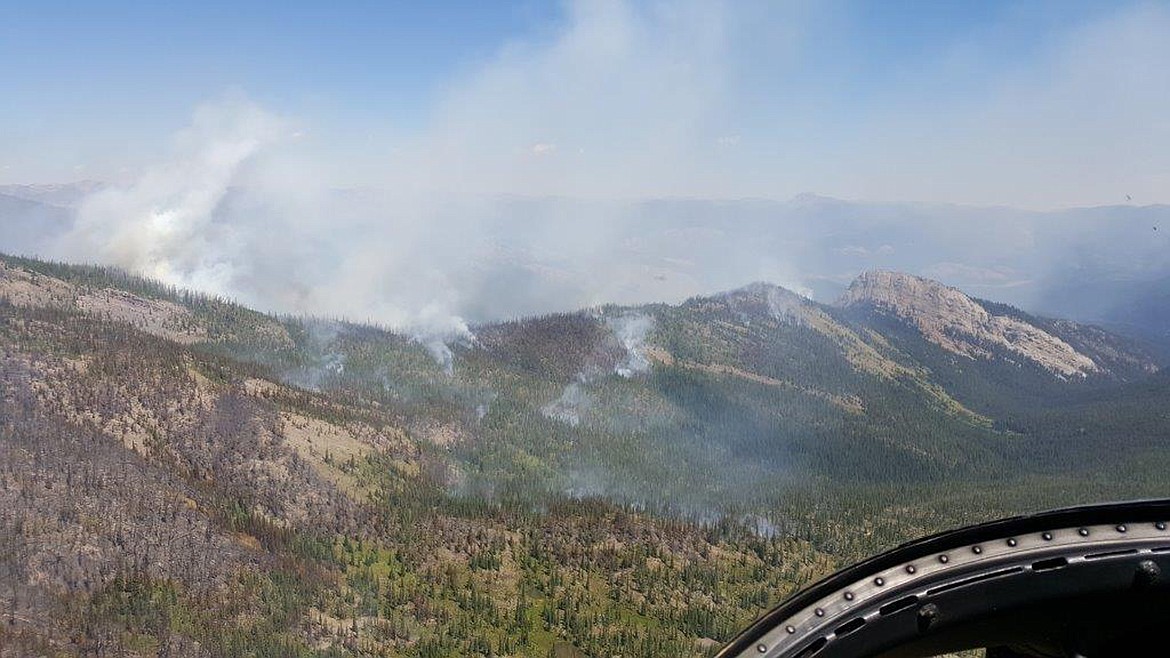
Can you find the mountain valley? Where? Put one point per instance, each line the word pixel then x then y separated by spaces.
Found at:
pixel 182 475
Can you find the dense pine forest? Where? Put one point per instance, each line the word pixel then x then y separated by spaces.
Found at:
pixel 180 475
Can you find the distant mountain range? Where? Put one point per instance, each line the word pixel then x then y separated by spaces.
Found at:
pixel 61 195
pixel 1104 265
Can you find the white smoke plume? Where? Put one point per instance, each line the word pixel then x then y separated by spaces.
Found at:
pixel 437 330
pixel 441 353
pixel 162 225
pixel 515 199
pixel 786 306
pixel 438 345
pixel 484 407
pixel 237 211
pixel 631 330
pixel 325 357
pixel 570 406
pixel 244 206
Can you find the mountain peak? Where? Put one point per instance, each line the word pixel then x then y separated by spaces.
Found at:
pixel 957 323
pixel 762 300
pixel 897 290
pixel 758 289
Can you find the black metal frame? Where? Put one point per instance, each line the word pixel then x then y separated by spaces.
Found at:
pixel 1077 581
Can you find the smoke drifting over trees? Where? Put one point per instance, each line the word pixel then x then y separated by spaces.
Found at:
pixel 567 171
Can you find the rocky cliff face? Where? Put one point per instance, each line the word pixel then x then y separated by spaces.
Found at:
pixel 957 323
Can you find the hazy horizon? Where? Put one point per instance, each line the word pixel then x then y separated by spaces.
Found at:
pixel 532 156
pixel 608 99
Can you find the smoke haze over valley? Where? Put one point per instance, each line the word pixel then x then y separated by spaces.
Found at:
pixel 626 153
pixel 578 328
pixel 349 255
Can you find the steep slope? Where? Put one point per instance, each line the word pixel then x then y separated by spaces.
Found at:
pixel 955 322
pixel 156 497
pixel 143 480
pixel 995 359
pixel 187 475
pixel 734 396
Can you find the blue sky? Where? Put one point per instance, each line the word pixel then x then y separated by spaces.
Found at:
pixel 162 55
pixel 1025 103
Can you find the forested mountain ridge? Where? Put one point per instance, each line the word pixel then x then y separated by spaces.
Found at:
pixel 902 377
pixel 184 474
pixel 159 499
pixel 901 373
